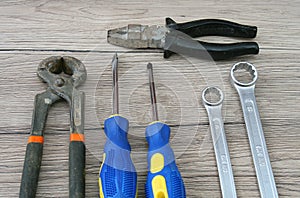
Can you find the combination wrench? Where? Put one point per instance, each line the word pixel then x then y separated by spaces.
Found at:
pixel 256 137
pixel 214 111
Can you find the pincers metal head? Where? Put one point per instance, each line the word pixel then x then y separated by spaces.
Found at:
pixel 62 74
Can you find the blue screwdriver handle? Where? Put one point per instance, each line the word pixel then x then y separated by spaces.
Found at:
pixel 117 177
pixel 164 179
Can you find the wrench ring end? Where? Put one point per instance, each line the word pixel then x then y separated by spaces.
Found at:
pixel 214 90
pixel 243 66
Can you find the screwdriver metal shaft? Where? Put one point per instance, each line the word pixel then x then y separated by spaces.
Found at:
pixel 115 94
pixel 152 93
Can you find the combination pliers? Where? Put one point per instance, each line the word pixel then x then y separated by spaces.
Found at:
pixel 177 38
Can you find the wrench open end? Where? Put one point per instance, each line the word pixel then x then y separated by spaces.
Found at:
pixel 212 96
pixel 238 76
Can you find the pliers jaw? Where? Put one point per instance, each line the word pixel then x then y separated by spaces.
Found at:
pixel 138 36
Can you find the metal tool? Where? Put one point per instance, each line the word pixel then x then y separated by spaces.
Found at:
pixel 257 141
pixel 63 75
pixel 214 111
pixel 117 177
pixel 175 38
pixel 163 179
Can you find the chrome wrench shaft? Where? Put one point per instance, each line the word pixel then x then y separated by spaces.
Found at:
pixel 214 111
pixel 256 137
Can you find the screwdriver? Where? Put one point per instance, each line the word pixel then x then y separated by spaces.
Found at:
pixel 163 179
pixel 117 176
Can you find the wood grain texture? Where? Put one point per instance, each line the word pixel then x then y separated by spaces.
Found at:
pixel 77 25
pixel 31 31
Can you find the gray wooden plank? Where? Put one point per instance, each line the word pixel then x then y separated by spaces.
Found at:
pixel 73 25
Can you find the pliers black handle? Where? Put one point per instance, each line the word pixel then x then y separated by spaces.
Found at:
pixel 217 27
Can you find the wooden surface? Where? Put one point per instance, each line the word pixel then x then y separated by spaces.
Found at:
pixel 31 31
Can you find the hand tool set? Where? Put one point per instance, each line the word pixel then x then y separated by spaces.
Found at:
pixel 117 175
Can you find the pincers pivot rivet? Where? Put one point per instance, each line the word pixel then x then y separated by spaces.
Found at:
pixel 59 82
